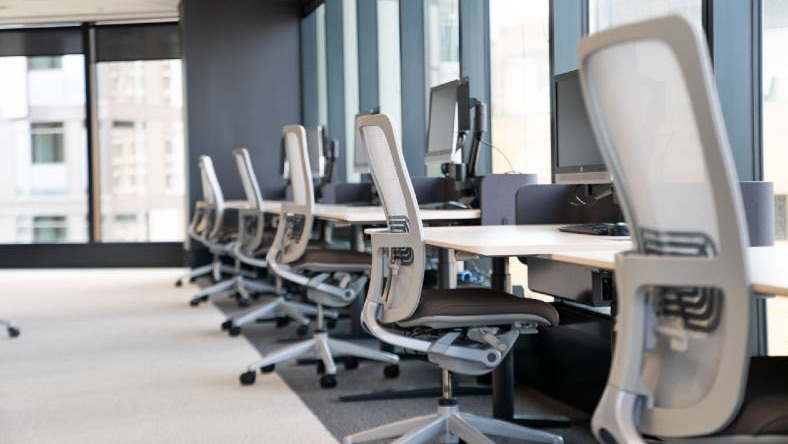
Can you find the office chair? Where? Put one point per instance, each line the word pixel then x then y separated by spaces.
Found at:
pixel 11 328
pixel 467 331
pixel 681 366
pixel 333 278
pixel 250 249
pixel 196 230
pixel 220 242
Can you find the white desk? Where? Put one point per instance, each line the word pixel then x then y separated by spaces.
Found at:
pixel 501 242
pixel 768 266
pixel 374 214
pixel 518 240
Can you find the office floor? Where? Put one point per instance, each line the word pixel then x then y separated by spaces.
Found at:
pixel 345 418
pixel 117 356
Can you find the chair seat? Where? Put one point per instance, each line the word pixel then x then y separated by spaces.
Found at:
pixel 476 307
pixel 334 260
pixel 764 410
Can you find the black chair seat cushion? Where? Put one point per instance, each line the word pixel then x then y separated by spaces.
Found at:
pixel 764 410
pixel 341 259
pixel 472 307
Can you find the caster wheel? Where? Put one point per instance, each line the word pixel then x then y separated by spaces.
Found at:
pixel 321 368
pixel 282 321
pixel 244 302
pixel 331 323
pixel 194 302
pixel 268 368
pixel 13 332
pixel 192 279
pixel 234 331
pixel 247 378
pixel 391 371
pixel 328 381
pixel 302 330
pixel 178 283
pixel 227 324
pixel 351 363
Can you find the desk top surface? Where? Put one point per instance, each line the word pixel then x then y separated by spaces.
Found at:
pixel 768 266
pixel 518 240
pixel 374 214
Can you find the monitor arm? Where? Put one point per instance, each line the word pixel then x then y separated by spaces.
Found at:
pixel 479 128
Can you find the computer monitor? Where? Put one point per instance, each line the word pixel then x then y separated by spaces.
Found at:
pixel 442 128
pixel 360 158
pixel 576 156
pixel 314 144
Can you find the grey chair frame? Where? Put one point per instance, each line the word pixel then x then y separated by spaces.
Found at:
pixel 288 246
pixel 248 250
pixel 627 408
pixel 397 299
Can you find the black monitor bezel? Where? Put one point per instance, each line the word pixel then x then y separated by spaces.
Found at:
pixel 564 174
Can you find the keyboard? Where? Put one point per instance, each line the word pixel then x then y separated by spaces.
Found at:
pixel 597 229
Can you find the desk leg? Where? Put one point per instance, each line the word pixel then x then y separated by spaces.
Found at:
pixel 447 268
pixel 357 244
pixel 503 375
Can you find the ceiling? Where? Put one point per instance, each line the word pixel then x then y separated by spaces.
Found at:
pixel 19 12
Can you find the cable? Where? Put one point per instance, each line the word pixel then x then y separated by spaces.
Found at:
pixel 505 157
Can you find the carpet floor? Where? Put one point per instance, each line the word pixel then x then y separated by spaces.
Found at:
pixel 118 356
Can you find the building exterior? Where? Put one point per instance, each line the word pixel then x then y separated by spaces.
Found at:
pixel 44 174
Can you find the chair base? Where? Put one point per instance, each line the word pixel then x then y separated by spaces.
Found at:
pixel 11 328
pixel 451 425
pixel 238 284
pixel 215 269
pixel 278 308
pixel 322 346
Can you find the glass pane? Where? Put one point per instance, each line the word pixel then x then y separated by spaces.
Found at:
pixel 322 76
pixel 141 151
pixel 389 86
pixel 43 176
pixel 604 14
pixel 442 39
pixel 520 86
pixel 350 53
pixel 775 146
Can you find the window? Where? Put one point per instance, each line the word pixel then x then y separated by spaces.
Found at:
pixel 350 52
pixel 604 14
pixel 520 86
pixel 322 71
pixel 49 229
pixel 775 107
pixel 389 86
pixel 140 142
pixel 44 62
pixel 775 146
pixel 442 41
pixel 47 142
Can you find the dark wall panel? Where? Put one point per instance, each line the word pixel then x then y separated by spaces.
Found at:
pixel 242 85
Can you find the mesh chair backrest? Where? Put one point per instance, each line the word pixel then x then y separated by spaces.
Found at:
pixel 395 189
pixel 214 197
pixel 653 106
pixel 300 221
pixel 252 235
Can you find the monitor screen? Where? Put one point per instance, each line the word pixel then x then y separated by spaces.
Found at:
pixel 576 157
pixel 314 144
pixel 443 123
